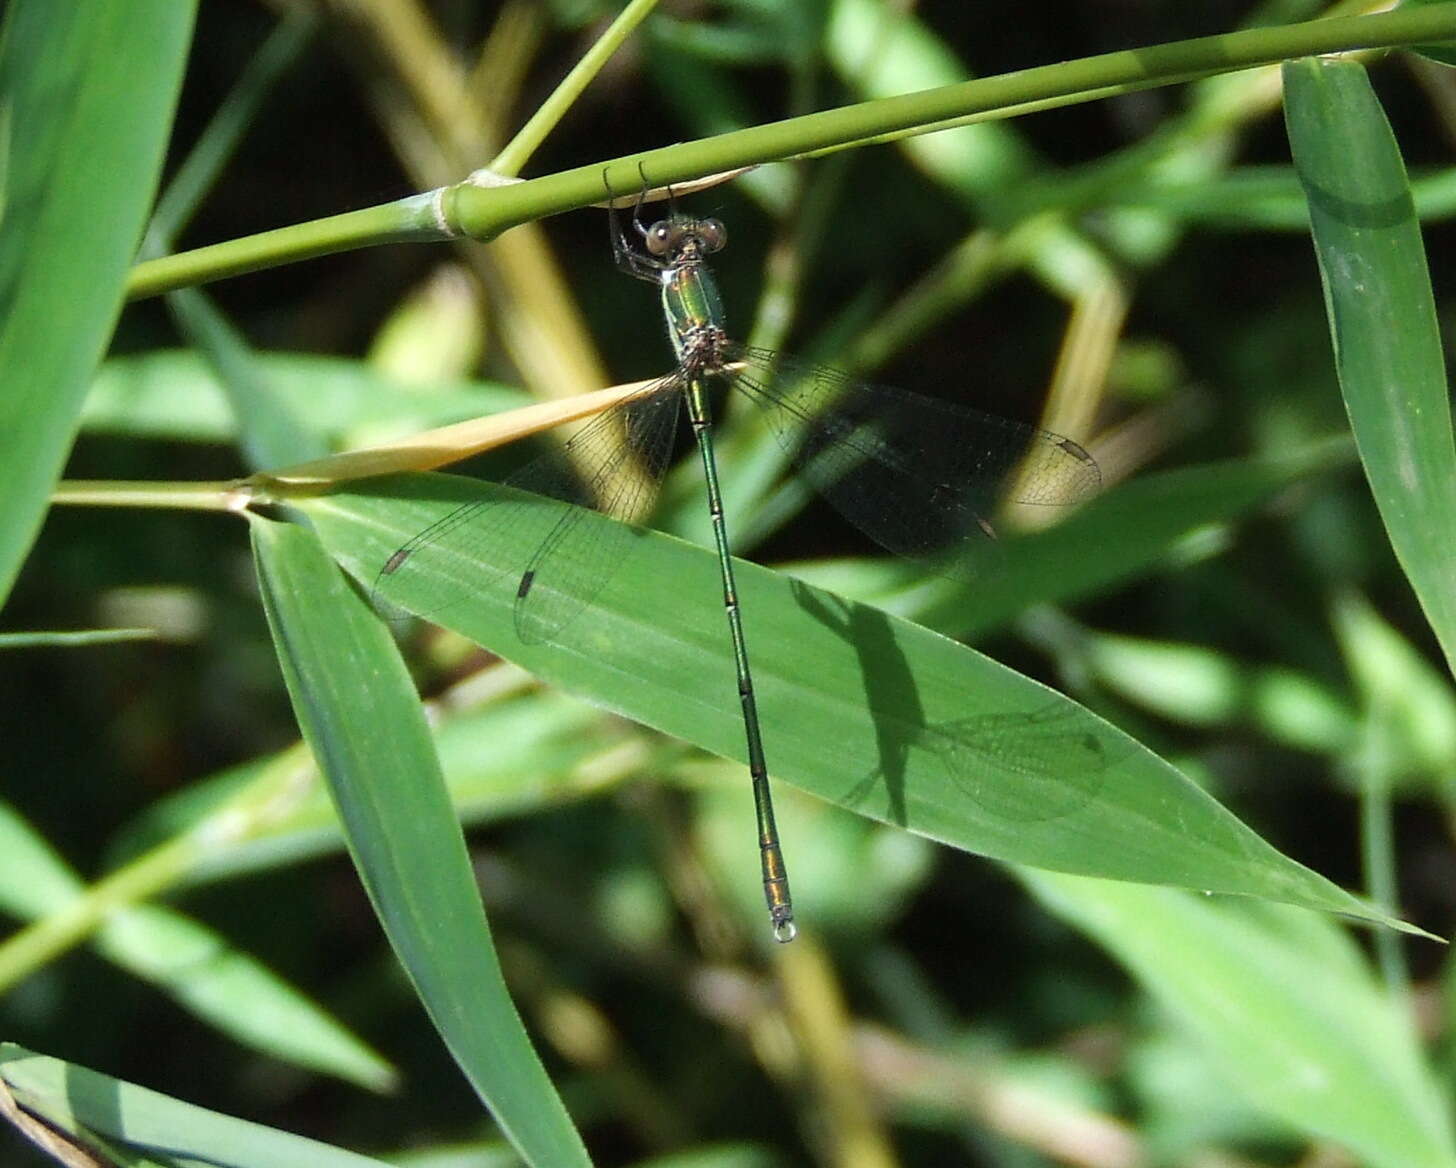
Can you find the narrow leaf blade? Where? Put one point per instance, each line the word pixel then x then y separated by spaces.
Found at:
pixel 194 965
pixel 86 99
pixel 859 707
pixel 357 708
pixel 1284 1002
pixel 1382 319
pixel 87 1104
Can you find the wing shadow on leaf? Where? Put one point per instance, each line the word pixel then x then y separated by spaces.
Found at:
pixel 1028 765
pixel 484 543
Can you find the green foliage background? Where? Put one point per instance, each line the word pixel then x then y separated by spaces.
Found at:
pixel 1237 617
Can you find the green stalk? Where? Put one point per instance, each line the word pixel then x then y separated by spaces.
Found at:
pixel 253 810
pixel 213 496
pixel 38 944
pixel 483 212
pixel 50 638
pixel 1010 111
pixel 520 148
pixel 416 219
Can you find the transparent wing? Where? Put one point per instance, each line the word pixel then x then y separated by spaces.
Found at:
pixel 919 476
pixel 1058 761
pixel 558 560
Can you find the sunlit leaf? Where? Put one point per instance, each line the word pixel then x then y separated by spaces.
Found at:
pixel 357 708
pixel 859 707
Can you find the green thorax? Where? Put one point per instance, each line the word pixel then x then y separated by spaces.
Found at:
pixel 690 303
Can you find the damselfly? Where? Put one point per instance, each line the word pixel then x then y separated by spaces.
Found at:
pixel 920 476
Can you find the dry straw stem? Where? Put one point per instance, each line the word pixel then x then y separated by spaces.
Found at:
pixel 431 449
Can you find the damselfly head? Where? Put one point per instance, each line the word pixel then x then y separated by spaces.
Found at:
pixel 684 238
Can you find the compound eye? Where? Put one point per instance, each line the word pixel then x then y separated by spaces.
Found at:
pixel 659 238
pixel 713 234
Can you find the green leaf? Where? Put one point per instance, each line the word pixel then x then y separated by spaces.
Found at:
pixel 357 708
pixel 1285 1004
pixel 241 997
pixel 1198 686
pixel 175 395
pixel 86 99
pixel 1445 52
pixel 859 707
pixel 1118 536
pixel 509 758
pixel 1413 702
pixel 191 964
pixel 1382 320
pixel 1267 198
pixel 86 1104
pixel 271 432
pixel 883 50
